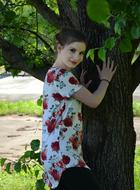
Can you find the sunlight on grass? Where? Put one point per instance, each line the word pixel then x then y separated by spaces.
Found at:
pixel 136 108
pixel 20 108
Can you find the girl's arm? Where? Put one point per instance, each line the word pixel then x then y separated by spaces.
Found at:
pixel 93 100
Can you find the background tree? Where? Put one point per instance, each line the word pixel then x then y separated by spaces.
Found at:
pixel 112 28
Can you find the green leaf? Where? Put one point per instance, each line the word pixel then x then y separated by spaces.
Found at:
pixel 17 167
pixel 8 167
pixel 36 173
pixel 102 53
pixel 35 144
pixel 24 167
pixel 119 25
pixel 125 45
pixel 9 15
pixel 110 43
pixel 2 161
pixel 27 154
pixel 40 185
pixel 39 101
pixel 98 10
pixel 135 32
pixel 90 54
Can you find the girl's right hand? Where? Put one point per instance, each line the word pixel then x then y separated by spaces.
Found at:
pixel 107 70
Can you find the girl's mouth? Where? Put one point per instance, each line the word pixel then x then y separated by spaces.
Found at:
pixel 74 62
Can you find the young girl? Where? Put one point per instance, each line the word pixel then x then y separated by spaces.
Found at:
pixel 65 168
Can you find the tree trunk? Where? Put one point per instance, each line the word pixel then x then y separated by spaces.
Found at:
pixel 109 136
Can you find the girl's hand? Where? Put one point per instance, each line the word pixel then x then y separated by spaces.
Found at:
pixel 82 79
pixel 107 70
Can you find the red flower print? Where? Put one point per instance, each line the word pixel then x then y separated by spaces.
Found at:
pixel 55 146
pixel 51 76
pixel 43 155
pixel 80 116
pixel 55 174
pixel 62 71
pixel 45 104
pixel 50 125
pixel 57 96
pixel 72 80
pixel 68 122
pixel 60 164
pixel 81 163
pixel 75 142
pixel 65 159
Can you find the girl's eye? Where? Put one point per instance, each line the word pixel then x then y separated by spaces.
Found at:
pixel 81 53
pixel 73 50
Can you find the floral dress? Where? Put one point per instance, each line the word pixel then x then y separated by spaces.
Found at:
pixel 61 125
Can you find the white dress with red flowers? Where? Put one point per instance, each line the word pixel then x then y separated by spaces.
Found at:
pixel 61 125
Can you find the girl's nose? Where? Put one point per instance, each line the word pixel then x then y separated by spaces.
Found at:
pixel 76 57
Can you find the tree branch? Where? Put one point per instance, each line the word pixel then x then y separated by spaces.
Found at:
pixel 17 60
pixel 32 32
pixel 136 74
pixel 67 14
pixel 46 12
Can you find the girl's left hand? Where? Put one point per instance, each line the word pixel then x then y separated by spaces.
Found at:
pixel 107 71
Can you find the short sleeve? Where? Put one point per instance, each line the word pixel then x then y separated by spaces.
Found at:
pixel 67 84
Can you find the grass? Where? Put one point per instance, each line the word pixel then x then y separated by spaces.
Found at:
pixel 136 108
pixel 18 181
pixel 137 169
pixel 31 108
pixel 20 108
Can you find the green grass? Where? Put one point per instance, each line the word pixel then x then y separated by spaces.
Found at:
pixel 31 108
pixel 18 181
pixel 137 168
pixel 136 108
pixel 20 108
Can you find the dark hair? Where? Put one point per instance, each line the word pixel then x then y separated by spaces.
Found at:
pixel 67 36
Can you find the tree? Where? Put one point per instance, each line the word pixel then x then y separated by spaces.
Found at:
pixel 112 31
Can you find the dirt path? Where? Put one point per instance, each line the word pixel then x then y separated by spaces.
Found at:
pixel 16 132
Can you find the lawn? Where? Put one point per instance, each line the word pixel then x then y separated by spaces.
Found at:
pixel 31 107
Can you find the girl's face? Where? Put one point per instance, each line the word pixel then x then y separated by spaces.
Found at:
pixel 72 54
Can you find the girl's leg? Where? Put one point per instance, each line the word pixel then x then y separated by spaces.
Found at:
pixel 78 179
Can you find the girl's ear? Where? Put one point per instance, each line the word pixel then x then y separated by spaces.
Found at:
pixel 59 47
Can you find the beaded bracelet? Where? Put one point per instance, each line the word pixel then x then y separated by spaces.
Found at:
pixel 105 80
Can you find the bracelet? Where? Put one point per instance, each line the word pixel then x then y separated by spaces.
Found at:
pixel 105 80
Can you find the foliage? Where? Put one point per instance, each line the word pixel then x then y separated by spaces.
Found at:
pixel 21 25
pixel 126 22
pixel 30 159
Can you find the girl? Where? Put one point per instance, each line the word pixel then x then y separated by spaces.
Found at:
pixel 65 168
